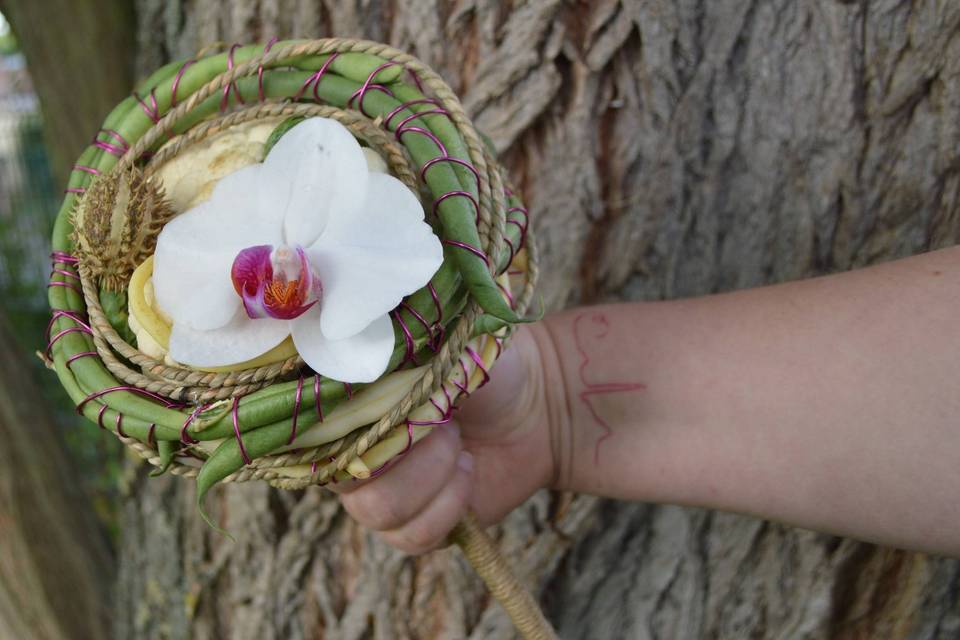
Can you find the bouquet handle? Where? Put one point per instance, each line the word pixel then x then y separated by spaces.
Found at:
pixel 490 565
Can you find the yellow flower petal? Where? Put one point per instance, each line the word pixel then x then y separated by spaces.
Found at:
pixel 147 319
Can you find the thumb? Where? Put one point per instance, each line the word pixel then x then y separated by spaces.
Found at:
pixel 502 401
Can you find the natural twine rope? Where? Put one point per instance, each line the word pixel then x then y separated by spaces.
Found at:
pixel 490 565
pixel 196 386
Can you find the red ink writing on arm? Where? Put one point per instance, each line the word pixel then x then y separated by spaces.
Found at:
pixel 595 326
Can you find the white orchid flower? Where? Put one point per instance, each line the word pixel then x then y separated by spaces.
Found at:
pixel 309 243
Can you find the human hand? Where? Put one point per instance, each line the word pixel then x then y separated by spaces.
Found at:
pixel 495 454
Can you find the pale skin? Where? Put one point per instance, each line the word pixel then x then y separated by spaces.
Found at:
pixel 831 404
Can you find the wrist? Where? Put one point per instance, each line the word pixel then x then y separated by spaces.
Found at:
pixel 553 405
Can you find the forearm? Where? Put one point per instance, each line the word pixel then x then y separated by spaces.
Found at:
pixel 829 403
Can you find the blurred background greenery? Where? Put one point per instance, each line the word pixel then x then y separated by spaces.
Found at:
pixel 29 199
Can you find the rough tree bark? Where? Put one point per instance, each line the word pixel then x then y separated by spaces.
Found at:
pixel 56 569
pixel 666 149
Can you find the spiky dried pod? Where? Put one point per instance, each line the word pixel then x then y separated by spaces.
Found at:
pixel 116 224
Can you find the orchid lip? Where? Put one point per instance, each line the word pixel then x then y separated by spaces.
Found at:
pixel 275 283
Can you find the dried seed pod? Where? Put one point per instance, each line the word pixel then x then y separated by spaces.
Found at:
pixel 116 224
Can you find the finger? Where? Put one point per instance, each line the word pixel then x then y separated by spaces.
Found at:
pixel 430 528
pixel 392 499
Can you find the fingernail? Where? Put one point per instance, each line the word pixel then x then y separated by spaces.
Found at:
pixel 465 461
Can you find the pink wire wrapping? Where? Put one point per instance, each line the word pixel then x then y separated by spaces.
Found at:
pixel 379 470
pixel 82 354
pixel 417 114
pixel 369 85
pixel 103 410
pixel 409 355
pixel 348 389
pixel 81 327
pixel 64 258
pixel 468 247
pixel 76 316
pixel 316 397
pixel 462 386
pixel 176 82
pixel 428 134
pixel 523 227
pixel 115 149
pixel 439 323
pixel 185 436
pixel 63 333
pixel 445 416
pixel 236 431
pixel 152 110
pixel 416 79
pixel 431 340
pixel 168 404
pixel 77 190
pixel 225 99
pixel 66 273
pixel 315 80
pixel 462 163
pixel 67 260
pixel 120 425
pixel 464 194
pixel 86 169
pixel 296 410
pixel 479 362
pixel 152 436
pixel 507 295
pixel 266 49
pixel 404 127
pixel 513 254
pixel 406 105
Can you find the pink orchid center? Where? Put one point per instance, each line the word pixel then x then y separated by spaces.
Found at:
pixel 275 282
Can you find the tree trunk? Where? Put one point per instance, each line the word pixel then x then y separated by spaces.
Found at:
pixel 56 570
pixel 80 54
pixel 666 149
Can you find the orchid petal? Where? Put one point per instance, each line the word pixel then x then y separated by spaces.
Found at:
pixel 362 357
pixel 369 262
pixel 195 250
pixel 239 340
pixel 243 221
pixel 317 168
pixel 192 283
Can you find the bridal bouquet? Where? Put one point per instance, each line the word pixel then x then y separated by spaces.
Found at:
pixel 288 263
pixel 284 263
